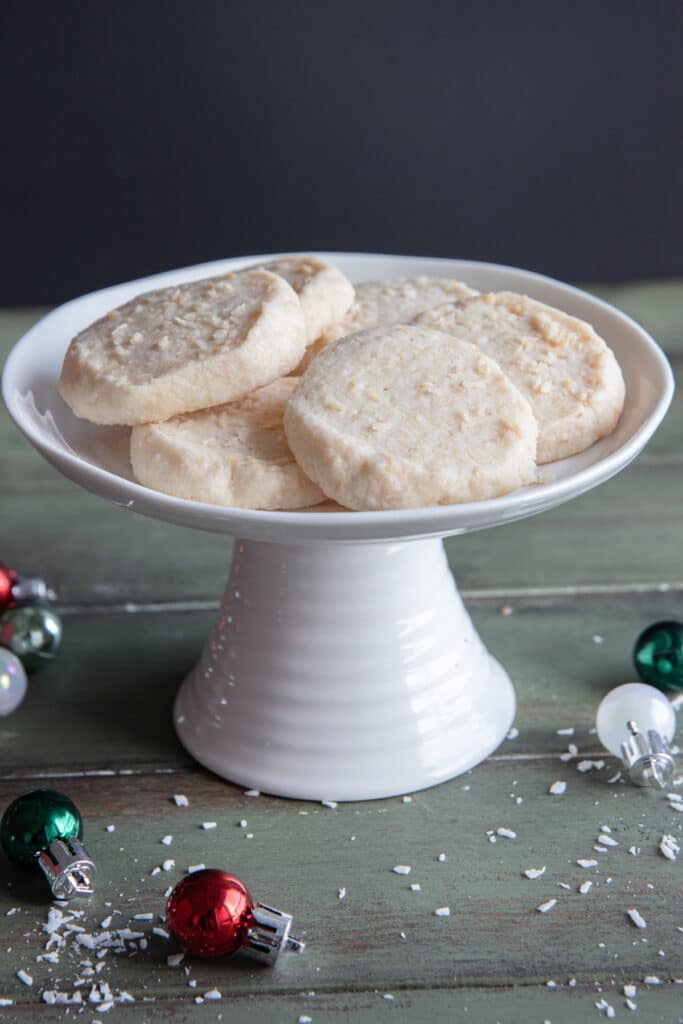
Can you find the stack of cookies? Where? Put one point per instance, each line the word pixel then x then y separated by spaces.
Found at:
pixel 279 386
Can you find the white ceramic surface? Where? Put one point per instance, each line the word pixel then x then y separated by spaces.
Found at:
pixel 343 672
pixel 343 665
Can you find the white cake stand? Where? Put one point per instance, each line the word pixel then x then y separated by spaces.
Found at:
pixel 343 665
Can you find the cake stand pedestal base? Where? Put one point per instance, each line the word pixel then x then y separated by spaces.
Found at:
pixel 343 672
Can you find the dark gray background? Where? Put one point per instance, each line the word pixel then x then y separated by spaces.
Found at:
pixel 141 136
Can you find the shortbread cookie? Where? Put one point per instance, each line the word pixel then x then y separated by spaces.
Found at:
pixel 324 292
pixel 566 371
pixel 234 454
pixel 404 416
pixel 394 301
pixel 184 348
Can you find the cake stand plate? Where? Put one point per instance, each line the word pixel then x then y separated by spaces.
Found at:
pixel 343 665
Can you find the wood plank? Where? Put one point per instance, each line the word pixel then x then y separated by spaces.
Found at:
pixel 658 1005
pixel 105 702
pixel 300 855
pixel 624 532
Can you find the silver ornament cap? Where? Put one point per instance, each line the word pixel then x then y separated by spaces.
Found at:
pixel 68 868
pixel 270 934
pixel 647 757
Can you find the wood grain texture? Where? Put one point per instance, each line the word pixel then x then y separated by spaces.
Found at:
pixel 138 598
pixel 300 855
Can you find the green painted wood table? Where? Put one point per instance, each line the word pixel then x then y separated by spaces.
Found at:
pixel 572 590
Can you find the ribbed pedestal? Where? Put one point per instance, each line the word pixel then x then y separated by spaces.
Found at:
pixel 343 672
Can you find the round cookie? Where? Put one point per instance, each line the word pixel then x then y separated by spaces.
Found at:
pixel 405 416
pixel 563 368
pixel 184 348
pixel 397 300
pixel 233 454
pixel 324 292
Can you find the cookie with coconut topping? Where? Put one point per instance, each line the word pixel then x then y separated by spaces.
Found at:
pixel 406 416
pixel 234 454
pixel 564 369
pixel 394 301
pixel 184 348
pixel 324 292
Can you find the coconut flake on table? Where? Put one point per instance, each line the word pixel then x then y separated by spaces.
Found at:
pixel 415 887
pixel 110 828
pixel 402 869
pixel 166 840
pixel 506 833
pixel 443 912
pixel 332 804
pixel 607 840
pixel 652 979
pixel 442 858
pixel 406 799
pixel 634 850
pixel 585 887
pixel 175 959
pixel 341 893
pixel 636 918
pixel 24 977
pixel 588 766
pixel 206 825
pixel 512 735
pixel 669 847
pixel 534 872
pixel 169 864
pixel 547 906
pixel 193 868
pixel 213 995
pixel 160 932
pixel 180 800
pixel 558 788
pixel 629 991
pixel 569 731
pixel 252 792
pixel 572 751
pixel 587 862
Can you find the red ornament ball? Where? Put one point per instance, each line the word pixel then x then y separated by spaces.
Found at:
pixel 209 913
pixel 7 580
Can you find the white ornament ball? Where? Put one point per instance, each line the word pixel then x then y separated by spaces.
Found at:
pixel 12 682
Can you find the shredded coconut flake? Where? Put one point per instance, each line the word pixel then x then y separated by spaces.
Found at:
pixel 402 869
pixel 636 918
pixel 181 800
pixel 586 862
pixel 534 872
pixel 506 833
pixel 443 912
pixel 547 906
pixel 558 788
pixel 209 825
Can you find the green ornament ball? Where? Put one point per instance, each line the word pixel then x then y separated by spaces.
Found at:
pixel 32 632
pixel 34 820
pixel 658 656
